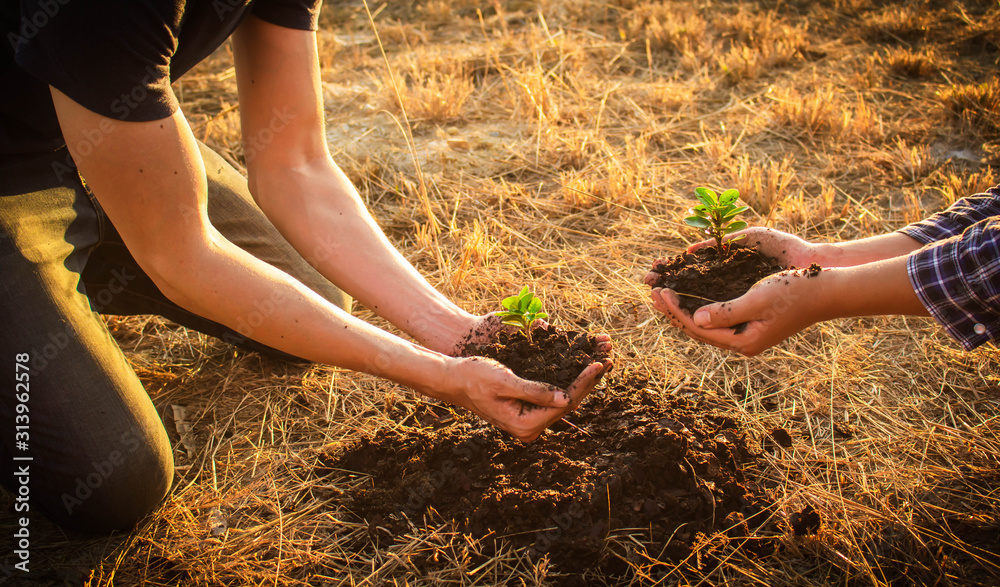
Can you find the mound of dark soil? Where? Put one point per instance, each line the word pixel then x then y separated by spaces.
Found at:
pixel 629 461
pixel 701 278
pixel 551 356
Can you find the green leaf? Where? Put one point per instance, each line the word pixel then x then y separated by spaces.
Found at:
pixel 735 211
pixel 514 322
pixel 524 291
pixel 737 238
pixel 698 222
pixel 535 306
pixel 541 315
pixel 734 226
pixel 707 197
pixel 525 302
pixel 699 209
pixel 728 197
pixel 510 303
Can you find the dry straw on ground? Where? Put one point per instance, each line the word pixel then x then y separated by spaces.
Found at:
pixel 558 143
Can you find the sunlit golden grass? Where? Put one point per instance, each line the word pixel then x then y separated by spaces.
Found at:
pixel 976 105
pixel 559 145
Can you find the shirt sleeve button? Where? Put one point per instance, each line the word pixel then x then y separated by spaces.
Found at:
pixel 979 329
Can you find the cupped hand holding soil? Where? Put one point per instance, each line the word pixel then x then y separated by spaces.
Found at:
pixel 749 279
pixel 784 250
pixel 704 277
pixel 521 407
pixel 771 311
pixel 787 249
pixel 534 383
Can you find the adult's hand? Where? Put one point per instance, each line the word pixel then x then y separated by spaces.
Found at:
pixel 522 408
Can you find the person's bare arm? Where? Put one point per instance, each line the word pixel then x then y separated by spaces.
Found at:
pixel 313 204
pixel 309 199
pixel 150 179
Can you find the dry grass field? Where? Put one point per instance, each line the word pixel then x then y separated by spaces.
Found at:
pixel 556 143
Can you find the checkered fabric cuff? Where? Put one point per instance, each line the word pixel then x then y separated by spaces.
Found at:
pixel 958 281
pixel 959 216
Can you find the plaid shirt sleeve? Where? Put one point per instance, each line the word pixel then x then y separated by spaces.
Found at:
pixel 957 274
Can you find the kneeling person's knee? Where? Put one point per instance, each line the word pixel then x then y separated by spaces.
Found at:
pixel 113 493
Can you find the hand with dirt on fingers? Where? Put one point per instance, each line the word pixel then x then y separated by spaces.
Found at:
pixel 522 408
pixel 788 249
pixel 527 414
pixel 781 305
pixel 774 309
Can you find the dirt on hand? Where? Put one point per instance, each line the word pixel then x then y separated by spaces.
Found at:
pixel 552 355
pixel 630 460
pixel 701 278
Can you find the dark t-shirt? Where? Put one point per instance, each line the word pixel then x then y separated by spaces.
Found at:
pixel 114 57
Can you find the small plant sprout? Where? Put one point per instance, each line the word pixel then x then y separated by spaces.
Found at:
pixel 522 311
pixel 713 216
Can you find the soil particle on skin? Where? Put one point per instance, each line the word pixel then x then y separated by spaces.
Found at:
pixel 813 270
pixel 700 278
pixel 629 461
pixel 552 356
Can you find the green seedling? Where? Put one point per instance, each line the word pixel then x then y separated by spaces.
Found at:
pixel 714 214
pixel 522 311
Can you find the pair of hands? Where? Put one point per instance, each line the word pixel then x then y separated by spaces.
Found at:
pixel 494 393
pixel 773 309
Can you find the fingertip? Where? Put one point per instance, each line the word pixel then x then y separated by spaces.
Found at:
pixel 670 296
pixel 702 317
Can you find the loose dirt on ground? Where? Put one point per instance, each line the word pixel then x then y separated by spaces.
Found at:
pixel 628 462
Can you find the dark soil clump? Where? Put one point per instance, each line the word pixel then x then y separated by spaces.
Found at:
pixel 700 278
pixel 551 356
pixel 806 522
pixel 629 461
pixel 778 437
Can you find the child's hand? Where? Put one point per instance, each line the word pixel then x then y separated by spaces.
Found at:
pixel 788 249
pixel 774 309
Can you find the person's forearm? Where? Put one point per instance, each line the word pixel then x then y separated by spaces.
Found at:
pixel 866 250
pixel 223 283
pixel 320 213
pixel 870 289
